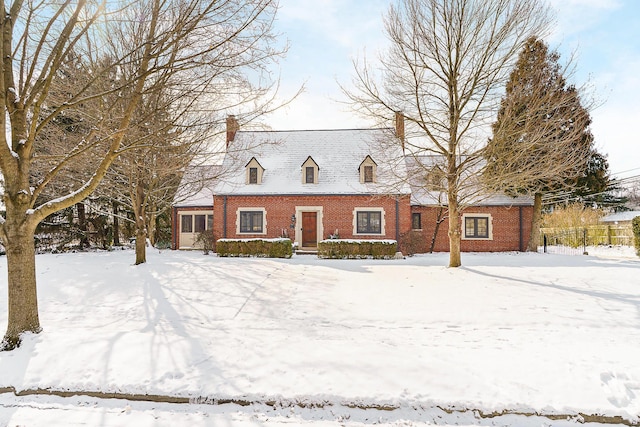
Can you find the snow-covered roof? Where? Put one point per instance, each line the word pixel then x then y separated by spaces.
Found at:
pixel 426 178
pixel 196 186
pixel 620 216
pixel 338 154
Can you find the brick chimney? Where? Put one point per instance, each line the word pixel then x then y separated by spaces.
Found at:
pixel 400 127
pixel 232 128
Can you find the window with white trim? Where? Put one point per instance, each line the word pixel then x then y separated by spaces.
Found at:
pixel 187 224
pixel 254 172
pixel 251 221
pixel 195 223
pixel 367 170
pixel 310 171
pixel 368 221
pixel 253 175
pixel 477 226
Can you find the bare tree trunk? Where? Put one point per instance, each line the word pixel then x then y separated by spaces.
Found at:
pixel 116 225
pixel 454 235
pixel 82 225
pixel 151 227
pixel 141 243
pixel 534 237
pixel 439 219
pixel 141 226
pixel 21 265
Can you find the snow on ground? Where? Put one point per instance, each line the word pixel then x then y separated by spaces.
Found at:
pixel 547 333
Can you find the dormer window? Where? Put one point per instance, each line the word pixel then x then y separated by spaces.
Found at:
pixel 310 171
pixel 254 172
pixel 367 171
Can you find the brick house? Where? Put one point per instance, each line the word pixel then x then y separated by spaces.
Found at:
pixel 490 222
pixel 310 184
pixel 192 211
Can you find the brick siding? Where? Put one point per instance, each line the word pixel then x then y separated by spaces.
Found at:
pixel 337 214
pixel 511 230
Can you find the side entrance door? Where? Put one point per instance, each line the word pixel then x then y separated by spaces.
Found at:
pixel 309 229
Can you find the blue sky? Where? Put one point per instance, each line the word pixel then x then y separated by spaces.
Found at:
pixel 326 35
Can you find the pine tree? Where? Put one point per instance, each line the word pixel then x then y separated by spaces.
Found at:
pixel 541 139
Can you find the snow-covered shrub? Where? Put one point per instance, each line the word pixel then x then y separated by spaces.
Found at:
pixel 636 233
pixel 357 249
pixel 268 248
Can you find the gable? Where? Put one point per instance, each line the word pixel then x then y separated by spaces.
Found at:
pixel 368 170
pixel 254 172
pixel 310 171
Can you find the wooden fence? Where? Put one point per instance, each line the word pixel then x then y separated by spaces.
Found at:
pixel 592 235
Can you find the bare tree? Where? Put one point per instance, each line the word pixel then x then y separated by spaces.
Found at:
pixel 541 140
pixel 447 63
pixel 208 43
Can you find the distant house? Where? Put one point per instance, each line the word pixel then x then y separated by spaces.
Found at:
pixel 310 185
pixel 620 218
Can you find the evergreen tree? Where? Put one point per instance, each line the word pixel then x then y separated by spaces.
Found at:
pixel 541 139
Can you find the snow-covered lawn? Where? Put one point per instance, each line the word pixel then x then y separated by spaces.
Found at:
pixel 552 334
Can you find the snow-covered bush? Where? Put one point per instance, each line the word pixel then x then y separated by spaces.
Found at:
pixel 636 233
pixel 268 248
pixel 357 249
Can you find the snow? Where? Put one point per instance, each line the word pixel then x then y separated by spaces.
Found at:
pixel 620 216
pixel 337 152
pixel 358 241
pixel 306 339
pixel 253 239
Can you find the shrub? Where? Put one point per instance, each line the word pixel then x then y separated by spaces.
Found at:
pixel 268 248
pixel 574 215
pixel 205 240
pixel 357 249
pixel 636 233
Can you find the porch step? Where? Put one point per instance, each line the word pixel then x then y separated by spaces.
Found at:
pixel 306 252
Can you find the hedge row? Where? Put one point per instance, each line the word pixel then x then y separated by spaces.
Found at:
pixel 355 249
pixel 269 248
pixel 635 224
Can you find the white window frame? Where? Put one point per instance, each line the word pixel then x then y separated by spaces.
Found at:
pixel 316 171
pixel 477 215
pixel 368 161
pixel 369 209
pixel 253 163
pixel 252 209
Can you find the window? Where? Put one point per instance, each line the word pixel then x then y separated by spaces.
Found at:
pixel 201 222
pixel 367 170
pixel 254 172
pixel 309 175
pixel 209 222
pixel 476 227
pixel 368 174
pixel 416 221
pixel 251 222
pixel 369 222
pixel 187 224
pixel 310 171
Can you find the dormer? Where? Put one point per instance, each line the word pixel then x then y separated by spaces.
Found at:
pixel 368 169
pixel 254 172
pixel 310 171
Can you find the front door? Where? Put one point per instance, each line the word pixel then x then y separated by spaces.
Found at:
pixel 309 229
